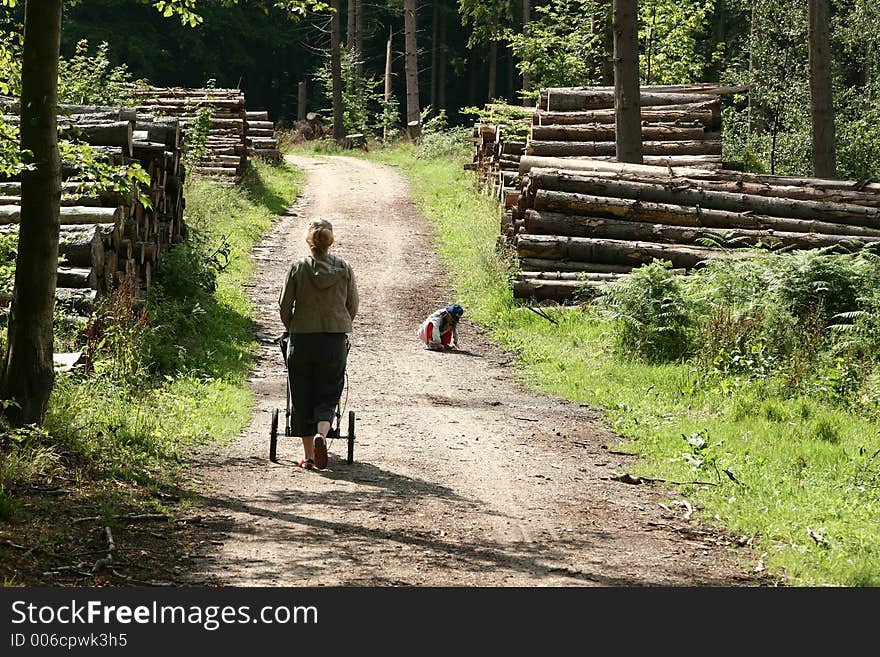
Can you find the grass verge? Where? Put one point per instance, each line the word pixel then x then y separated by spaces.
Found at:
pixel 113 444
pixel 795 478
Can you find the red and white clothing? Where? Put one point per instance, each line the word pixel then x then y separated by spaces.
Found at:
pixel 439 331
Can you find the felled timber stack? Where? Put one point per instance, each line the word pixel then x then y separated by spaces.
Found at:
pixel 681 125
pixel 109 237
pixel 226 145
pixel 591 224
pixel 497 151
pixel 260 134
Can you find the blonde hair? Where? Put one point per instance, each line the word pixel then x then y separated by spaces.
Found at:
pixel 320 236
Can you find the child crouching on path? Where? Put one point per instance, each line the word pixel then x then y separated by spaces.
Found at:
pixel 440 330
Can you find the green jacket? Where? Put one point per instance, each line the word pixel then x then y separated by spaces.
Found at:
pixel 319 296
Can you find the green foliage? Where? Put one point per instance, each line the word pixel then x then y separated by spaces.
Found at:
pixel 195 141
pixel 858 131
pixel 116 335
pixel 439 140
pixel 8 252
pixel 10 62
pixel 86 79
pixel 673 33
pixel 89 166
pixel 364 108
pixel 651 312
pixel 566 44
pixel 517 121
pixel 487 17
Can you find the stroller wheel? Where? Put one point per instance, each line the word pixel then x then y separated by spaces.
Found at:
pixel 273 437
pixel 350 436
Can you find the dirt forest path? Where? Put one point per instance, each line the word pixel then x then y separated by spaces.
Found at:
pixel 460 477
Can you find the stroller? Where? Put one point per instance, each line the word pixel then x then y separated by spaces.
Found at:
pixel 283 342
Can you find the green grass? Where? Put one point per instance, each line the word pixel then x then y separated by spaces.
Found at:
pixel 132 425
pixel 775 467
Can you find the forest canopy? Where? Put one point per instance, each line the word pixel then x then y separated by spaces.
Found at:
pixel 473 52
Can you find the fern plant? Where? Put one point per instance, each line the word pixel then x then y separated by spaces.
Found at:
pixel 652 314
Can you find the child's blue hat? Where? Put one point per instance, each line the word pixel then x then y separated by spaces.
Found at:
pixel 455 310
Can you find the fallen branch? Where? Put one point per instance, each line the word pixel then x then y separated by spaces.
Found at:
pixel 8 543
pixel 627 478
pixel 107 561
pixel 541 313
pixel 133 517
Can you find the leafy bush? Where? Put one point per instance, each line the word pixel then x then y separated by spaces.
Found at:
pixel 439 140
pixel 651 312
pixel 178 303
pixel 858 132
pixel 86 79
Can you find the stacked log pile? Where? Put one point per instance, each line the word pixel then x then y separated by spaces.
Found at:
pixel 681 126
pixel 107 238
pixel 260 135
pixel 498 148
pixel 586 226
pixel 227 142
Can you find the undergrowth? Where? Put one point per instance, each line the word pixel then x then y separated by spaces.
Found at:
pixel 165 372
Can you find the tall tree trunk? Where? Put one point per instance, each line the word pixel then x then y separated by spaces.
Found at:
pixel 472 77
pixel 627 113
pixel 387 80
pixel 441 74
pixel 435 29
pixel 28 373
pixel 302 102
pixel 527 77
pixel 412 69
pixel 511 88
pixel 336 72
pixel 359 40
pixel 493 70
pixel 821 105
pixel 608 43
pixel 754 124
pixel 351 27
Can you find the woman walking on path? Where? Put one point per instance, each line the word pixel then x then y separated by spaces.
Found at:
pixel 318 302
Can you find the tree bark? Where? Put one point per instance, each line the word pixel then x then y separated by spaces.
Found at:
pixel 592 148
pixel 574 99
pixel 435 30
pixel 626 81
pixel 682 215
pixel 28 373
pixel 412 70
pixel 821 98
pixel 539 288
pixel 608 44
pixel 540 264
pixel 444 56
pixel 539 177
pixel 336 72
pixel 661 192
pixel 860 193
pixel 616 252
pixel 359 40
pixel 708 114
pixel 599 132
pixel 387 95
pixel 302 102
pixel 527 77
pixel 493 72
pixel 351 26
pixel 550 223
